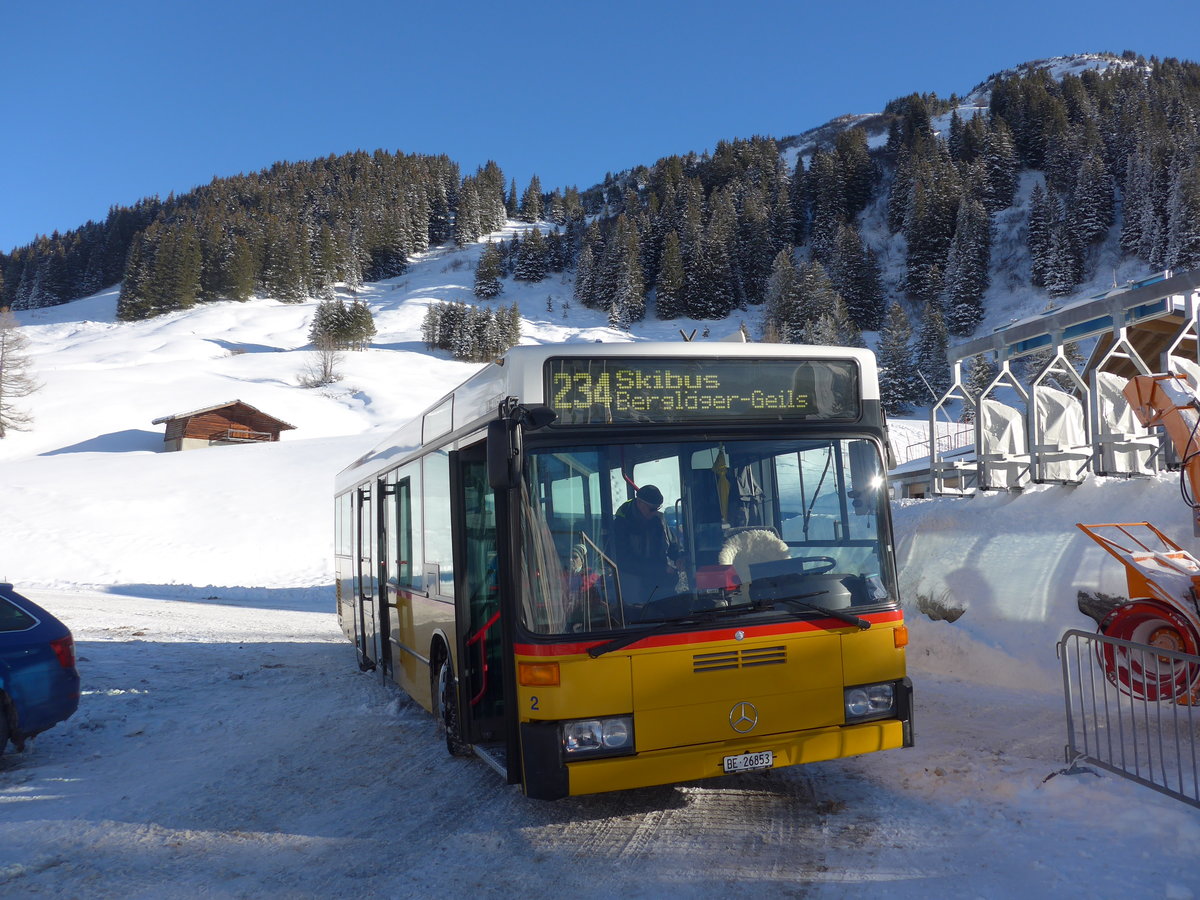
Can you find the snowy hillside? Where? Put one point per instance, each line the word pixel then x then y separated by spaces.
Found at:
pixel 227 745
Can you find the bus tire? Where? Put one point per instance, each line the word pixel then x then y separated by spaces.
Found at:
pixel 446 695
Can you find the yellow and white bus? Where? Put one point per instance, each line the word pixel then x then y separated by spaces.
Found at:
pixel 475 564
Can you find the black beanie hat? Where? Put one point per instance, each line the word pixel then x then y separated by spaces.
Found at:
pixel 648 493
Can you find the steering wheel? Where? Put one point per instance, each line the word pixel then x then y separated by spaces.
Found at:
pixel 666 607
pixel 820 564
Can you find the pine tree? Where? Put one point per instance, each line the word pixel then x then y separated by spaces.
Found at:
pixel 1064 153
pixel 531 258
pixel 133 303
pixel 511 322
pixel 387 244
pixel 798 202
pixel 1000 165
pixel 854 272
pixel 488 273
pixel 325 262
pixel 431 326
pixel 669 285
pixel 16 382
pixel 323 328
pixel 452 324
pixel 930 354
pixel 54 278
pixel 901 194
pixel 975 137
pixel 782 314
pixel 284 274
pixel 834 328
pixel 177 266
pixel 857 169
pixel 439 215
pixel 531 201
pixel 490 183
pixel 360 328
pixel 967 268
pixel 1064 261
pixel 1043 219
pixel 585 270
pixel 897 376
pixel 471 333
pixel 558 208
pixel 827 188
pixel 1183 245
pixel 720 294
pixel 467 227
pixel 1092 200
pixel 815 291
pixel 623 271
pixel 510 203
pixel 755 247
pixel 559 255
pixel 1137 200
pixel 930 214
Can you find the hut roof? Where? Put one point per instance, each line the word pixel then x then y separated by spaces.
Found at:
pixel 283 426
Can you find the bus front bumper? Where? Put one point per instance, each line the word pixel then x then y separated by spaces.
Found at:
pixel 680 764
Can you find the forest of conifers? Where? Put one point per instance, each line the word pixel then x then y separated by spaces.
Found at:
pixel 700 235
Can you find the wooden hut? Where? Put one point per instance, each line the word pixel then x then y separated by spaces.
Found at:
pixel 222 425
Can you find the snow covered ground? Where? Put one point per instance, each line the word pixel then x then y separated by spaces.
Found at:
pixel 228 746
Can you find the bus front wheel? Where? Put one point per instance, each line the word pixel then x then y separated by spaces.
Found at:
pixel 447 709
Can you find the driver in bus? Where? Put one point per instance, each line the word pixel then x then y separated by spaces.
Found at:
pixel 646 553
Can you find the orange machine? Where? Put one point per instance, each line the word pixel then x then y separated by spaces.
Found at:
pixel 1163 578
pixel 1167 400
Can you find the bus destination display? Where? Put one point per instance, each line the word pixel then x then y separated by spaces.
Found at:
pixel 592 391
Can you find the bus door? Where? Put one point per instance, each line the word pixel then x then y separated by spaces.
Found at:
pixel 482 653
pixel 386 583
pixel 365 612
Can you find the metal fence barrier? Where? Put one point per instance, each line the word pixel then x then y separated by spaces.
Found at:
pixel 1130 711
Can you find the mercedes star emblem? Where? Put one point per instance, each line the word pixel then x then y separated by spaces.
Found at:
pixel 743 717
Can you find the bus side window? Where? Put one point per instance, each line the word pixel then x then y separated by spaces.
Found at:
pixel 409 500
pixel 439 545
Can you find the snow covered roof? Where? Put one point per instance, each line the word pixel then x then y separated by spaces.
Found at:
pixel 283 426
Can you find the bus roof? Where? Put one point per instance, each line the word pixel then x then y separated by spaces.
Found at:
pixel 519 373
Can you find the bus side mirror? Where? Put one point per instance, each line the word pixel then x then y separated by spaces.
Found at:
pixel 503 454
pixel 536 417
pixel 866 478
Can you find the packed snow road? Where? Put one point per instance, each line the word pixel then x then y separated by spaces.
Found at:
pixel 227 750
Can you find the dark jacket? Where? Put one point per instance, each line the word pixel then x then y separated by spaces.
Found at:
pixel 640 545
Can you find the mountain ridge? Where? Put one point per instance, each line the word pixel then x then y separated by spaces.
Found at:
pixel 1084 168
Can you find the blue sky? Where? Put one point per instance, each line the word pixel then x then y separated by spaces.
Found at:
pixel 107 103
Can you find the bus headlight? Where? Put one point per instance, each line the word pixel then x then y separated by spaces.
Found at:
pixel 870 701
pixel 598 737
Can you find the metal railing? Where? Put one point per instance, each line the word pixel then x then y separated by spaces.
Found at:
pixel 944 443
pixel 1130 710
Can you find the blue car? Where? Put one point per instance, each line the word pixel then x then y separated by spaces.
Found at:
pixel 39 684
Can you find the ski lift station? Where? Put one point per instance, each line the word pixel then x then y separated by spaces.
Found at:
pixel 1060 420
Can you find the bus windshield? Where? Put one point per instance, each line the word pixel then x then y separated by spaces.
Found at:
pixel 748 527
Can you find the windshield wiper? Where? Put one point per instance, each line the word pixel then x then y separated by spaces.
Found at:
pixel 842 615
pixel 698 617
pixel 701 617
